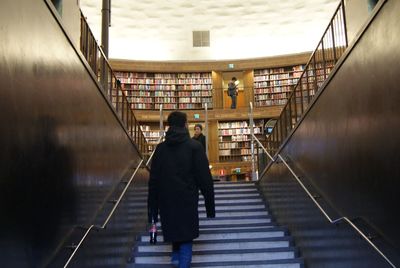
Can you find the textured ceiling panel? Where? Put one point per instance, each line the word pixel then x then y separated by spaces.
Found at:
pixel 162 30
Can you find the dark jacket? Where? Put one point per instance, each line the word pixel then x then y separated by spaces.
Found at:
pixel 179 169
pixel 202 139
pixel 232 89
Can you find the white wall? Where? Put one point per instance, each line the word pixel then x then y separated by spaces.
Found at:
pixel 356 15
pixel 71 19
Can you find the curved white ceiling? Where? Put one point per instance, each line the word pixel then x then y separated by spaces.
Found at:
pixel 239 29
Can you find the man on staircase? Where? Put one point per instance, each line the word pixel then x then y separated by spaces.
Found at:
pixel 179 169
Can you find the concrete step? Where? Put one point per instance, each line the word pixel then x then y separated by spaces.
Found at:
pixel 235 190
pixel 221 256
pixel 291 263
pixel 234 185
pixel 234 221
pixel 236 201
pixel 239 226
pixel 222 207
pixel 237 214
pixel 217 197
pixel 243 234
pixel 232 234
pixel 238 196
pixel 199 246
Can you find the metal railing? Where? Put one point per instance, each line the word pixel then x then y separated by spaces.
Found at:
pixel 333 221
pixel 110 85
pixel 329 49
pixel 117 202
pixel 112 90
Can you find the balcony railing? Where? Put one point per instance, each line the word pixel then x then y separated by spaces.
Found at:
pixel 110 85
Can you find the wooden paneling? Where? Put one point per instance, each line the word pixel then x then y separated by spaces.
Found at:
pixel 214 114
pixel 213 141
pixel 217 89
pixel 248 82
pixel 63 152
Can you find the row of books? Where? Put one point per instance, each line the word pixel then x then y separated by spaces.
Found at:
pixel 138 93
pixel 129 87
pixel 275 83
pixel 270 102
pixel 134 100
pixel 276 77
pixel 169 106
pixel 238 152
pixel 165 94
pixel 195 94
pixel 234 145
pixel 238 131
pixel 237 138
pixel 170 94
pixel 190 105
pixel 162 75
pixel 209 104
pixel 141 106
pixel 229 158
pixel 297 68
pixel 194 100
pixel 155 81
pixel 271 96
pixel 273 89
pixel 190 100
pixel 235 124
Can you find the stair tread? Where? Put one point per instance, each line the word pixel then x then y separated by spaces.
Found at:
pixel 268 239
pixel 260 229
pixel 249 264
pixel 228 251
pixel 243 234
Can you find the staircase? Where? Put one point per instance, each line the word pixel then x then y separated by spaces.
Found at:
pixel 110 247
pixel 243 234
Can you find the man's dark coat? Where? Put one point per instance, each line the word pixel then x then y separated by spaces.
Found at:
pixel 179 169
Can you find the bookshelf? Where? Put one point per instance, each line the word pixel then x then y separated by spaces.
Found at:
pixel 234 140
pixel 272 86
pixel 173 90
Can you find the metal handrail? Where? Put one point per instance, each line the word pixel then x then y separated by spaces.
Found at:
pixel 152 153
pixel 308 85
pixel 104 225
pixel 321 209
pixel 101 67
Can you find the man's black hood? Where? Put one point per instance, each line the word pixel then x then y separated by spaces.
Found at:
pixel 176 135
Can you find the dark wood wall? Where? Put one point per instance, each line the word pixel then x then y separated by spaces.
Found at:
pixel 62 148
pixel 348 144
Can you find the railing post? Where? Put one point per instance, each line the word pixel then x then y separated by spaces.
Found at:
pixel 308 87
pixel 254 174
pixel 323 59
pixel 300 83
pixel 333 42
pixel 315 78
pixel 344 21
pixel 285 117
pixel 161 121
pixel 206 125
pixel 293 114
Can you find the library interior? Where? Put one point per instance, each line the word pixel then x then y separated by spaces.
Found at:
pixel 298 103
